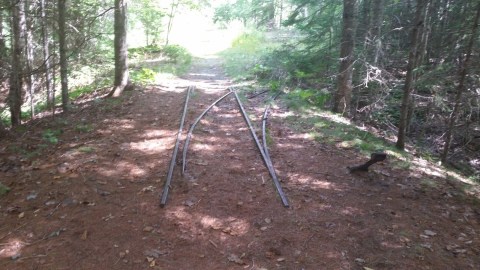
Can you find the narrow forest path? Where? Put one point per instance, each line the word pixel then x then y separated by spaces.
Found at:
pixel 91 201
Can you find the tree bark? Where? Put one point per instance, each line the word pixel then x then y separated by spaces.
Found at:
pixel 120 46
pixel 30 79
pixel 62 47
pixel 407 89
pixel 3 45
pixel 364 22
pixel 343 94
pixel 461 87
pixel 46 56
pixel 376 31
pixel 16 75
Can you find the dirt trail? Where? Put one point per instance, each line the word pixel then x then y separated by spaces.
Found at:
pixel 91 201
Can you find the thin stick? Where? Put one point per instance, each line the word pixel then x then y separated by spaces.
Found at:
pixel 33 257
pixel 18 228
pixel 166 187
pixel 264 127
pixel 267 161
pixel 190 131
pixel 213 243
pixel 258 94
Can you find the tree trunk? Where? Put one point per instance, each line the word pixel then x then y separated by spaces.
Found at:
pixel 63 54
pixel 343 95
pixel 407 89
pixel 460 87
pixel 30 80
pixel 376 31
pixel 3 45
pixel 422 42
pixel 280 13
pixel 120 46
pixel 173 9
pixel 424 34
pixel 46 56
pixel 18 46
pixel 364 22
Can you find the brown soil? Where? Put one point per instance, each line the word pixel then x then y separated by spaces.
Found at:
pixel 91 201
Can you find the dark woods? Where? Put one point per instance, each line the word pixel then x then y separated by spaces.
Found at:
pixel 408 68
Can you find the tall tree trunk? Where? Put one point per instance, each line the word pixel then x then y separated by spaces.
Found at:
pixel 54 76
pixel 424 33
pixel 460 87
pixel 280 13
pixel 408 87
pixel 3 60
pixel 376 31
pixel 120 46
pixel 3 45
pixel 46 55
pixel 30 80
pixel 16 75
pixel 422 43
pixel 442 38
pixel 364 22
pixel 173 10
pixel 62 47
pixel 343 94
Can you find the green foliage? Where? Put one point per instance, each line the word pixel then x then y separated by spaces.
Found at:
pixel 427 184
pixel 25 114
pixel 320 25
pixel 239 10
pixel 293 64
pixel 301 99
pixel 402 164
pixel 249 43
pixel 86 149
pixel 177 54
pixel 172 59
pixel 5 117
pixel 242 58
pixel 3 189
pixel 79 91
pixel 259 12
pixel 325 127
pixel 51 136
pixel 146 51
pixel 142 76
pixel 169 53
pixel 475 178
pixel 84 128
pixel 149 14
pixel 82 90
pixel 268 137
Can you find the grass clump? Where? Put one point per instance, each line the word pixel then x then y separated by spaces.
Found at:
pixel 86 149
pixel 330 128
pixel 304 98
pixel 51 136
pixel 3 189
pixel 84 128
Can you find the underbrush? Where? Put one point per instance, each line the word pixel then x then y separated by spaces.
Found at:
pixel 243 57
pixel 146 63
pixel 307 78
pixel 308 72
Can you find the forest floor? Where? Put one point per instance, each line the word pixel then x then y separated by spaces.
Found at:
pixel 86 186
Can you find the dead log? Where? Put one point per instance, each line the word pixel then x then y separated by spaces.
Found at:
pixel 374 158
